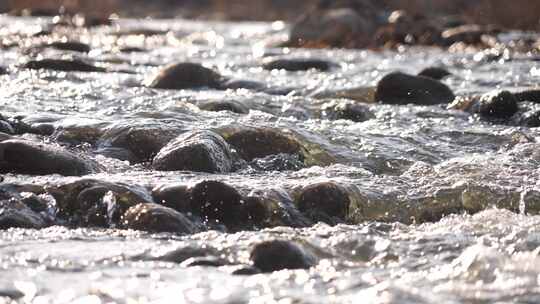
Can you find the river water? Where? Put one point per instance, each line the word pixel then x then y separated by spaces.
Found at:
pixel 444 204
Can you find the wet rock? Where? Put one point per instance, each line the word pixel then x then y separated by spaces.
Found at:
pixel 246 270
pixel 403 28
pixel 400 88
pixel 528 95
pixel 179 255
pixel 71 46
pixel 253 143
pixel 339 27
pixel 202 151
pixel 327 202
pixel 73 65
pixel 204 262
pixel 530 119
pixel 144 142
pixel 90 202
pixel 495 104
pixel 132 50
pixel 273 208
pixel 216 201
pixel 434 73
pixel 177 197
pixel 14 214
pixel 157 218
pixel 469 34
pixel 278 162
pixel 3 70
pixel 186 75
pixel 297 64
pixel 278 255
pixel 346 110
pixel 5 127
pixel 25 157
pixel 217 106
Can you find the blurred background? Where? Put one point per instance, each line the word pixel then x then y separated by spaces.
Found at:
pixel 519 14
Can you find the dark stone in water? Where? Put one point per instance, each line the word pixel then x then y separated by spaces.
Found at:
pixel 530 119
pixel 327 202
pixel 347 110
pixel 246 270
pixel 3 70
pixel 218 201
pixel 25 157
pixel 202 151
pixel 231 106
pixel 96 203
pixel 14 214
pixel 278 162
pixel 203 261
pixel 143 142
pixel 278 255
pixel 177 197
pixel 157 218
pixel 434 73
pixel 469 33
pixel 400 88
pixel 71 46
pixel 297 64
pixel 186 75
pixel 255 211
pixel 528 95
pixel 253 143
pixel 496 104
pixel 132 50
pixel 5 127
pixel 73 65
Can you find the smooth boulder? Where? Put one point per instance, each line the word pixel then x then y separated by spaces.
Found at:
pixel 278 255
pixel 326 201
pixel 157 218
pixel 202 151
pixel 436 73
pixel 216 201
pixel 15 214
pixel 251 143
pixel 26 157
pixel 400 88
pixel 186 75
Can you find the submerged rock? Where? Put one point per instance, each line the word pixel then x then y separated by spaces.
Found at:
pixel 90 202
pixel 434 73
pixel 5 127
pixel 278 255
pixel 157 218
pixel 218 105
pixel 278 162
pixel 186 75
pixel 297 64
pixel 251 143
pixel 202 151
pixel 15 214
pixel 25 157
pixel 346 110
pixel 400 88
pixel 144 142
pixel 177 197
pixel 495 104
pixel 63 65
pixel 528 95
pixel 217 201
pixel 3 70
pixel 327 202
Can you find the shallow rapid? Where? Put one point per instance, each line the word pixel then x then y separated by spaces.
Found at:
pixel 442 205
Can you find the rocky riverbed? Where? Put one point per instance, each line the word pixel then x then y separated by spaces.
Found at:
pixel 158 161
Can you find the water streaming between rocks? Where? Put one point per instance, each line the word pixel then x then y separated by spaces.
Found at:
pixel 443 204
